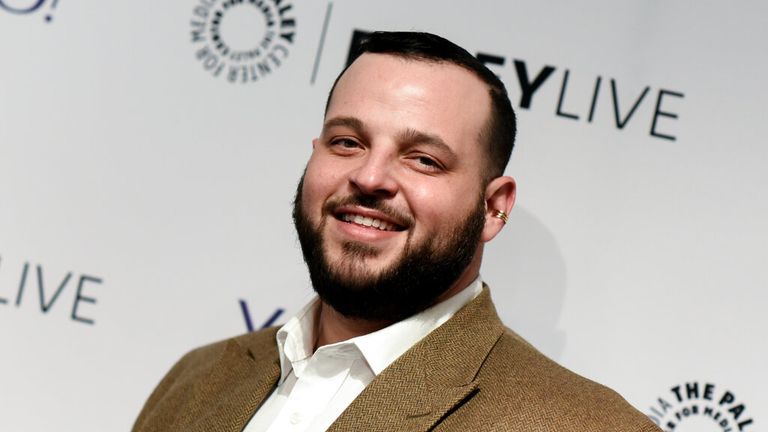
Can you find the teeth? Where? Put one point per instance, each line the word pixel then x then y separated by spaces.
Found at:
pixel 368 222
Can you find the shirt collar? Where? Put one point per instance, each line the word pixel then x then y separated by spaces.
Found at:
pixel 384 346
pixel 295 339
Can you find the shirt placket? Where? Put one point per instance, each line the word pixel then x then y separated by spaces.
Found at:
pixel 315 387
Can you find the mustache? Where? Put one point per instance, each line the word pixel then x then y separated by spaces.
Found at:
pixel 371 202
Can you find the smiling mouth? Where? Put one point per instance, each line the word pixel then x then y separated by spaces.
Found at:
pixel 369 222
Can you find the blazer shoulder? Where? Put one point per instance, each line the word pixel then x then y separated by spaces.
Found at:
pixel 523 386
pixel 195 365
pixel 202 358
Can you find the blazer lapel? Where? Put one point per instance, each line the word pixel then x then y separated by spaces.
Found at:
pixel 431 379
pixel 237 384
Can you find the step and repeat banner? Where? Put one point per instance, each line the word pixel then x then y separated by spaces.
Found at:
pixel 149 153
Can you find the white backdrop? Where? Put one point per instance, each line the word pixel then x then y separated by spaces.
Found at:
pixel 154 195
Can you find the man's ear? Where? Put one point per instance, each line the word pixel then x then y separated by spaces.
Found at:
pixel 499 196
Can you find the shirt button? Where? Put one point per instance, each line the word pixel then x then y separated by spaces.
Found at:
pixel 295 418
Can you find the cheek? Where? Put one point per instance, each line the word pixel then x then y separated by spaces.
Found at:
pixel 433 206
pixel 320 182
pixel 440 206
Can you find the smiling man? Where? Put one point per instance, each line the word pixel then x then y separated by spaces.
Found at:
pixel 404 187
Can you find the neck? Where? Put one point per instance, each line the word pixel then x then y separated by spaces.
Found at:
pixel 332 327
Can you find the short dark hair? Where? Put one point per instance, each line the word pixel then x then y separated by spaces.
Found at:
pixel 501 128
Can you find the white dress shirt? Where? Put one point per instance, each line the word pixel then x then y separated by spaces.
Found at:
pixel 315 388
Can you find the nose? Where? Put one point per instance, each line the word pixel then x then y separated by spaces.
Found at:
pixel 375 175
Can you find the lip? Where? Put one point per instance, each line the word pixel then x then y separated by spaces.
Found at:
pixel 353 231
pixel 373 214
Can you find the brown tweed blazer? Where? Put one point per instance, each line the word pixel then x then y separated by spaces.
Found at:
pixel 470 374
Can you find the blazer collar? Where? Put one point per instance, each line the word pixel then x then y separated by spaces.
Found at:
pixel 246 372
pixel 431 379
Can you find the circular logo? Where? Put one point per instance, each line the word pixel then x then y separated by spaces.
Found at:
pixel 21 7
pixel 700 407
pixel 242 40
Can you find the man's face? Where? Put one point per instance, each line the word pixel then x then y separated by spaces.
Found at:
pixel 392 193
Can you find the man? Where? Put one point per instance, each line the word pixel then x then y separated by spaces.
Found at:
pixel 404 186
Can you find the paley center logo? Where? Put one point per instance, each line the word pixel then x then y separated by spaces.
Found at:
pixel 30 7
pixel 242 41
pixel 699 406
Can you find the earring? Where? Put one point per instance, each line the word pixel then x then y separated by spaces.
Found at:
pixel 501 215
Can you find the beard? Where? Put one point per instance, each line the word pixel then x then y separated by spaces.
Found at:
pixel 414 282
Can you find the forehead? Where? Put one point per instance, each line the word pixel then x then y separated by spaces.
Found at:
pixel 389 92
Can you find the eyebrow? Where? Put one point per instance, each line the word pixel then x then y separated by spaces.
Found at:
pixel 350 122
pixel 413 137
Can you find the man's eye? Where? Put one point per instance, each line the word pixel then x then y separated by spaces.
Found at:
pixel 426 163
pixel 345 143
